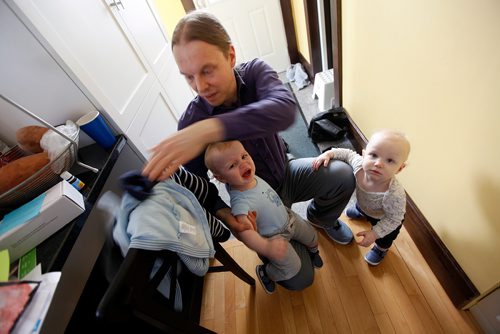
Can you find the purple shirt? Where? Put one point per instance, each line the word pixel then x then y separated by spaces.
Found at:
pixel 264 108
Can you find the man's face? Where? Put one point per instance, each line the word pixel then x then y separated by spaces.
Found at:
pixel 208 71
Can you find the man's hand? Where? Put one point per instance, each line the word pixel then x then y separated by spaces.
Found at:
pixel 182 147
pixel 369 238
pixel 238 225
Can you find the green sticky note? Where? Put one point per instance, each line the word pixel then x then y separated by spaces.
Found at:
pixel 27 263
pixel 4 265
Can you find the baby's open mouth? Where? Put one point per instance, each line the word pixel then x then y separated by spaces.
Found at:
pixel 247 173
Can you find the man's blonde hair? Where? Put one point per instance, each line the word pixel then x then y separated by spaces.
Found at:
pixel 200 25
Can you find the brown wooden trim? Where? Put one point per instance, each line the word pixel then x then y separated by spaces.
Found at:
pixel 453 279
pixel 307 66
pixel 447 270
pixel 312 25
pixel 286 11
pixel 336 28
pixel 359 138
pixel 328 33
pixel 188 5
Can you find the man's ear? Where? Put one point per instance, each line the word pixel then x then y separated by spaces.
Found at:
pixel 232 55
pixel 363 152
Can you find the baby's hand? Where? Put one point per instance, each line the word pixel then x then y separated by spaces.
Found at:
pixel 369 238
pixel 322 160
pixel 277 248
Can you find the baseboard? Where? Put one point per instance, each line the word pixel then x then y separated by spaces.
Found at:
pixel 453 279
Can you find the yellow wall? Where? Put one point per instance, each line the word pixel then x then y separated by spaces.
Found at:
pixel 170 11
pixel 432 69
pixel 299 20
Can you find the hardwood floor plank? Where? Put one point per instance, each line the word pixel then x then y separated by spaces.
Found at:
pixel 269 319
pixel 246 320
pixel 287 310
pixel 422 308
pixel 229 314
pixel 325 312
pixel 424 312
pixel 296 298
pixel 338 312
pixel 369 287
pixel 362 319
pixel 384 323
pixel 300 319
pixel 404 273
pixel 380 277
pixel 312 309
pixel 354 301
pixel 344 259
pixel 422 275
pixel 241 288
pixel 220 303
pixel 403 301
pixel 208 299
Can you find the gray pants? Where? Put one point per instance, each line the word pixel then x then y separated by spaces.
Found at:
pixel 299 230
pixel 330 188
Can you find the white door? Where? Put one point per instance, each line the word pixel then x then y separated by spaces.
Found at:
pixel 96 51
pixel 139 18
pixel 255 27
pixel 156 120
pixel 170 94
pixel 142 20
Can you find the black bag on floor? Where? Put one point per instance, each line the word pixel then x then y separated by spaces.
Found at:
pixel 328 125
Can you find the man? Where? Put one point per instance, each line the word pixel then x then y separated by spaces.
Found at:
pixel 249 103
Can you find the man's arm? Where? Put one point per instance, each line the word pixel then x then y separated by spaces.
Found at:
pixel 272 109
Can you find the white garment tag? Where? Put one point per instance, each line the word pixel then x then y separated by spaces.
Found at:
pixel 186 228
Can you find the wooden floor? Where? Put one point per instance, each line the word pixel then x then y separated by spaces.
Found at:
pixel 401 295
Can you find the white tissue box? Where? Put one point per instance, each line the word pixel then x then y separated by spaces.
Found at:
pixel 27 226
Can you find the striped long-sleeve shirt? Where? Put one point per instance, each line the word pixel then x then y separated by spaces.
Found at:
pixel 207 194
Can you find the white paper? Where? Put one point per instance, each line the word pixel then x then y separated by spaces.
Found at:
pixel 32 318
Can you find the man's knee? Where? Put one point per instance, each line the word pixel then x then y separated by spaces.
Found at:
pixel 305 277
pixel 341 174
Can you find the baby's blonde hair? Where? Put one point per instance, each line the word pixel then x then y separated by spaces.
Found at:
pixel 395 135
pixel 213 148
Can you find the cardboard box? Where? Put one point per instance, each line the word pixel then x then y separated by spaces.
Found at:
pixel 30 224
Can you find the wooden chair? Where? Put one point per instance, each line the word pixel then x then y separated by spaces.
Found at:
pixel 132 301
